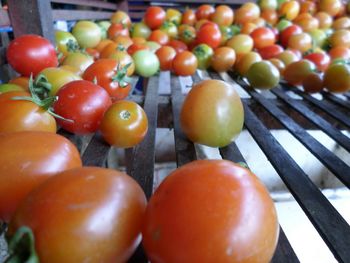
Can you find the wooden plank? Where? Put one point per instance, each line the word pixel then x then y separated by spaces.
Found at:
pixel 339 168
pixel 232 153
pixel 80 15
pixel 227 2
pixel 31 17
pixel 91 3
pixel 284 252
pixel 335 99
pixel 122 5
pixel 314 118
pixel 97 151
pixel 4 18
pixel 328 222
pixel 185 151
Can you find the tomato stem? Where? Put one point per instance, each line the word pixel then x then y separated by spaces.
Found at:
pixel 121 76
pixel 21 247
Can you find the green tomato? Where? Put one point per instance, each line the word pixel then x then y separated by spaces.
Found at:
pixel 146 63
pixel 235 30
pixel 7 87
pixel 280 2
pixel 319 37
pixel 268 4
pixel 263 75
pixel 283 24
pixel 170 29
pixel 226 33
pixel 140 30
pixel 104 25
pixel 154 46
pixel 203 53
pixel 63 39
pixel 87 33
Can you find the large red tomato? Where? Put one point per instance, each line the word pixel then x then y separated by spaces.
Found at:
pixel 209 34
pixel 263 37
pixel 154 17
pixel 87 214
pixel 212 113
pixel 27 159
pixel 83 104
pixel 30 54
pixel 210 211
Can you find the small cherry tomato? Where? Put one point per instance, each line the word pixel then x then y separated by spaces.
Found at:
pixel 313 83
pixel 203 53
pixel 189 17
pixel 154 17
pixel 210 35
pixel 185 64
pixel 270 51
pixel 166 55
pixel 321 60
pixel 241 44
pixel 178 45
pixel 297 71
pixel 289 10
pixel 337 78
pixel 301 42
pixel 204 12
pixel 223 59
pixel 243 64
pixel 223 15
pixel 159 36
pixel 263 75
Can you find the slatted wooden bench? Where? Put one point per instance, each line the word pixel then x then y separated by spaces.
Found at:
pixel 275 109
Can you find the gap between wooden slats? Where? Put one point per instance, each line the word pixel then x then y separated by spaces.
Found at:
pixel 332 110
pixel 328 222
pixel 91 3
pixel 340 169
pixel 335 99
pixel 68 15
pixel 314 118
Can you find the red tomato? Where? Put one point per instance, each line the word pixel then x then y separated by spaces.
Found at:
pixel 313 83
pixel 178 45
pixel 20 81
pixel 22 115
pixel 321 60
pixel 223 59
pixel 82 102
pixel 166 55
pixel 154 17
pixel 136 47
pixel 210 35
pixel 124 124
pixel 308 7
pixel 271 51
pixel 270 16
pixel 99 209
pixel 297 71
pixel 210 211
pixel 287 33
pixel 30 54
pixel 223 15
pixel 212 113
pixel 263 37
pixel 185 64
pixel 109 75
pixel 339 52
pixel 159 36
pixel 247 13
pixel 188 17
pixel 38 155
pixel 117 30
pixel 204 11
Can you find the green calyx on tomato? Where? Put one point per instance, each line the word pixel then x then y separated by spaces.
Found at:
pixel 39 95
pixel 21 247
pixel 121 76
pixel 204 53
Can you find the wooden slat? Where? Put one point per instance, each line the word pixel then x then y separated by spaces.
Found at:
pixel 335 99
pixel 328 222
pixel 314 118
pixel 185 151
pixel 91 3
pixel 228 2
pixel 31 17
pixel 80 15
pixel 4 18
pixel 97 151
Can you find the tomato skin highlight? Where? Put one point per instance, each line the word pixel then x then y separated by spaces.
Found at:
pixel 29 54
pixel 82 102
pixel 185 64
pixel 124 124
pixel 95 212
pixel 38 156
pixel 210 211
pixel 212 113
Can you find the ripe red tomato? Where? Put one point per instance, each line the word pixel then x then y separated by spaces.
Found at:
pixel 223 15
pixel 188 17
pixel 99 209
pixel 166 55
pixel 209 34
pixel 287 33
pixel 117 30
pixel 109 75
pixel 185 64
pixel 313 83
pixel 137 47
pixel 30 54
pixel 178 45
pixel 271 51
pixel 321 60
pixel 263 37
pixel 210 211
pixel 159 36
pixel 27 159
pixel 154 17
pixel 212 113
pixel 82 102
pixel 22 115
pixel 124 124
pixel 204 12
pixel 297 71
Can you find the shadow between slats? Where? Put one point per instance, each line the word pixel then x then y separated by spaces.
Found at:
pixel 335 99
pixel 96 152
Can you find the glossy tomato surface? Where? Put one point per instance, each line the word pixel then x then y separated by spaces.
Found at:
pixel 210 211
pixel 212 113
pixel 154 17
pixel 83 103
pixel 22 115
pixel 185 64
pixel 27 159
pixel 29 54
pixel 88 214
pixel 124 124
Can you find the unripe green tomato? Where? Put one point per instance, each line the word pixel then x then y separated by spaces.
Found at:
pixel 170 29
pixel 283 24
pixel 140 30
pixel 263 75
pixel 87 33
pixel 319 37
pixel 203 53
pixel 146 63
pixel 104 25
pixel 7 87
pixel 62 38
